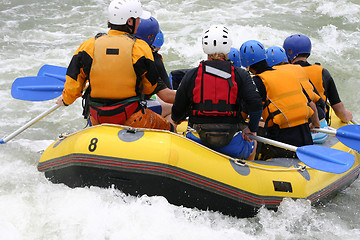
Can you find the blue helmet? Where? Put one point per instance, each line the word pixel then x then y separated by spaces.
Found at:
pixel 159 40
pixel 295 45
pixel 148 29
pixel 275 55
pixel 234 56
pixel 251 52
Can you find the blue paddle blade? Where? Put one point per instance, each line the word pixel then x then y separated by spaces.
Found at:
pixel 53 71
pixel 349 135
pixel 325 159
pixel 36 88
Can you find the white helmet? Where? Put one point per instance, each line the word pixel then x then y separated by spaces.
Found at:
pixel 121 10
pixel 216 40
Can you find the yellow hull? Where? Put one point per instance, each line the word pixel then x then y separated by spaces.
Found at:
pixel 162 163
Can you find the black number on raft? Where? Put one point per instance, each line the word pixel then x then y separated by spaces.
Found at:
pixel 92 145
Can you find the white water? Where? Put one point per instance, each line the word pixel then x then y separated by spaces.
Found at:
pixel 38 32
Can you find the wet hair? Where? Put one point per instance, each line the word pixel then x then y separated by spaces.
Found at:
pixel 218 56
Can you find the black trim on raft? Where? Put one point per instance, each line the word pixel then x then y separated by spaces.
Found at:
pixel 180 187
pixel 134 177
pixel 327 193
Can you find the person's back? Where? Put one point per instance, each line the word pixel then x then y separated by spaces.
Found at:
pixel 298 49
pixel 286 104
pixel 210 95
pixel 286 111
pixel 115 94
pixel 276 58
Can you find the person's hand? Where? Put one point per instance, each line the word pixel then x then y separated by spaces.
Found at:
pixel 60 101
pixel 246 131
pixel 313 125
pixel 348 116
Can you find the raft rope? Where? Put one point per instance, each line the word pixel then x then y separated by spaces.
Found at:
pixel 237 161
pixel 243 163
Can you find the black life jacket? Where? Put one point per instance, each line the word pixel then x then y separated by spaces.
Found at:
pixel 215 92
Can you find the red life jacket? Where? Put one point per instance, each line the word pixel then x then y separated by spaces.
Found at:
pixel 215 92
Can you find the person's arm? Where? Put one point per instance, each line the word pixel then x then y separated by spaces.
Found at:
pixel 183 98
pixel 167 95
pixel 160 67
pixel 342 113
pixel 253 125
pixel 334 98
pixel 77 72
pixel 249 93
pixel 144 66
pixel 330 88
pixel 315 122
pixel 164 93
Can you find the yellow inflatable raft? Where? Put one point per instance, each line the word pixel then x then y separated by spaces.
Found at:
pixel 141 161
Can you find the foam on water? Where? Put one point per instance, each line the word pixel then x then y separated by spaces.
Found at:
pixel 34 33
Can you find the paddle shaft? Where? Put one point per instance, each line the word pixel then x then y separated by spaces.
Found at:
pixel 349 135
pixel 317 157
pixel 273 142
pixel 354 122
pixel 29 124
pixel 323 130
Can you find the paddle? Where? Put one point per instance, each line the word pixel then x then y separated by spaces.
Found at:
pixel 315 156
pixel 349 135
pixel 53 71
pixel 29 124
pixel 354 122
pixel 48 84
pixel 36 88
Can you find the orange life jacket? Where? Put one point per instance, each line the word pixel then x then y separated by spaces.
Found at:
pixel 303 78
pixel 286 105
pixel 112 75
pixel 315 74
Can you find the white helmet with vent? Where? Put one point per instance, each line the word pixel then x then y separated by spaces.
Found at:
pixel 216 40
pixel 121 10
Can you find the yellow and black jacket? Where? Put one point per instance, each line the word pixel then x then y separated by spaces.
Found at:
pixel 117 65
pixel 286 105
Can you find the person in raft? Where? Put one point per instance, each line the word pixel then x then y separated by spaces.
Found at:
pixel 211 96
pixel 298 49
pixel 276 58
pixel 120 70
pixel 148 31
pixel 286 111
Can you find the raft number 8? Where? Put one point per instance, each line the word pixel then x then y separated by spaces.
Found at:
pixel 92 146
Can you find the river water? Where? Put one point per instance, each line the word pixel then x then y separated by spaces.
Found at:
pixel 38 32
